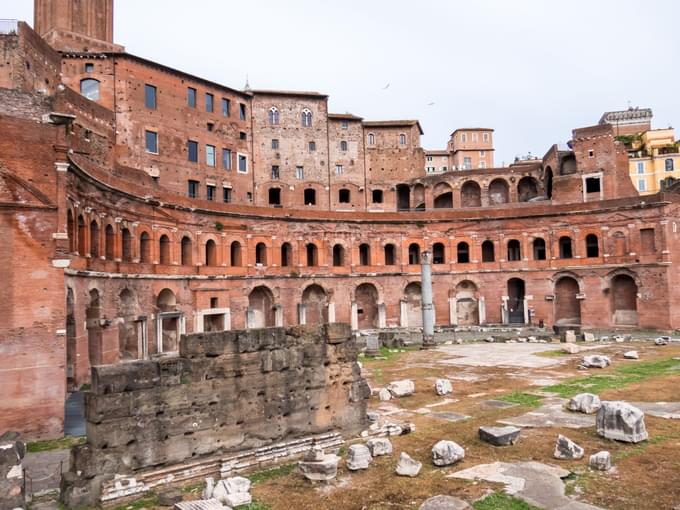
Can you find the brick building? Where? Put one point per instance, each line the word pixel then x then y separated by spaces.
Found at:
pixel 140 202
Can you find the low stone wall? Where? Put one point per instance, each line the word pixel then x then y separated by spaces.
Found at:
pixel 227 392
pixel 12 450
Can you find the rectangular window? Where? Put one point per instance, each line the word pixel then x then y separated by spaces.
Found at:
pixel 482 164
pixel 647 242
pixel 211 127
pixel 275 172
pixel 275 143
pixel 485 137
pixel 242 163
pixel 592 184
pixel 482 153
pixel 299 172
pixel 193 189
pixel 312 146
pixel 210 192
pixel 641 167
pixel 467 163
pixel 429 158
pixel 474 137
pixel 89 68
pixel 150 96
pixel 642 185
pixel 151 142
pixel 444 169
pixel 344 124
pixel 339 170
pixel 192 150
pixel 242 135
pixel 226 159
pixel 242 111
pixel 226 195
pixel 226 107
pixel 191 97
pixel 210 155
pixel 209 102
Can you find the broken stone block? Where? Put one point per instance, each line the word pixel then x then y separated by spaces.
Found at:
pixel 402 388
pixel 595 361
pixel 372 416
pixel 588 337
pixel 314 454
pixel 444 503
pixel 384 395
pixel 238 491
pixel 200 504
pixel 499 436
pixel 619 339
pixel 571 348
pixel 587 403
pixel 169 497
pixel 445 453
pixel 662 340
pixel 490 339
pixel 12 483
pixel 602 461
pixel 322 470
pixel 631 355
pixel 379 446
pixel 569 336
pixel 565 448
pixel 443 387
pixel 408 466
pixel 209 487
pixel 358 457
pixel 621 421
pixel 372 346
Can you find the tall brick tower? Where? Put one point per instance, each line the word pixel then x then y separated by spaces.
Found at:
pixel 76 25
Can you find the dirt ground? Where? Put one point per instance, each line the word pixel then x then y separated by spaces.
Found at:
pixel 646 475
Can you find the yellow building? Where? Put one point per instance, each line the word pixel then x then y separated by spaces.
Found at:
pixel 654 159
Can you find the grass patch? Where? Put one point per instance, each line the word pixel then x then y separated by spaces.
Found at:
pixel 551 354
pixel 641 447
pixel 54 444
pixel 389 353
pixel 501 501
pixel 517 397
pixel 150 502
pixel 618 377
pixel 255 505
pixel 269 474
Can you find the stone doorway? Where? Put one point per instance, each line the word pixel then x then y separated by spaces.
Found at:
pixel 567 304
pixel 516 294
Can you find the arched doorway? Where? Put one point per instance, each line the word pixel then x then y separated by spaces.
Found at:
pixel 470 195
pixel 403 197
pixel 516 293
pixel 186 251
pixel 164 249
pixel 443 196
pixel 169 322
pixel 94 330
pixel 261 308
pixel 499 192
pixel 129 337
pixel 467 309
pixel 366 297
pixel 567 306
pixel 94 239
pixel 413 299
pixel 624 292
pixel 527 188
pixel 315 301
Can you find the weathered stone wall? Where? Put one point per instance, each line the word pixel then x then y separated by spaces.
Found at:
pixel 227 391
pixel 11 472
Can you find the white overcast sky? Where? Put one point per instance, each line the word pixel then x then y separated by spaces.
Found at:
pixel 530 69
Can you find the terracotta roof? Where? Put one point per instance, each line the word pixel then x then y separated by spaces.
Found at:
pixel 436 152
pixel 472 129
pixel 302 93
pixel 393 123
pixel 345 116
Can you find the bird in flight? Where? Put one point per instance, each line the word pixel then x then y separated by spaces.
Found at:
pixel 386 87
pixel 430 104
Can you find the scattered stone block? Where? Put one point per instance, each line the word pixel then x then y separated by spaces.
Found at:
pixel 565 448
pixel 588 337
pixel 372 346
pixel 358 457
pixel 317 467
pixel 443 387
pixel 372 416
pixel 402 388
pixel 571 348
pixel 569 336
pixel 238 491
pixel 595 361
pixel 169 497
pixel 490 339
pixel 499 436
pixel 621 421
pixel 444 503
pixel 601 461
pixel 200 504
pixel 384 395
pixel 631 355
pixel 445 453
pixel 662 340
pixel 12 450
pixel 619 339
pixel 408 466
pixel 587 403
pixel 379 446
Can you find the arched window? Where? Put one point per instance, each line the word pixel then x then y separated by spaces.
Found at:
pixel 70 230
pixel 338 255
pixel 592 246
pixel 402 139
pixel 210 253
pixel 306 117
pixel 309 197
pixel 82 235
pixel 390 255
pixel 127 245
pixel 364 255
pixel 186 251
pixel 514 250
pixel 261 254
pixel 438 253
pixel 286 255
pixel 145 248
pixel 94 239
pixel 164 249
pixel 109 243
pixel 273 116
pixel 539 249
pixel 488 254
pixel 312 255
pixel 463 253
pixel 565 247
pixel 371 139
pixel 235 254
pixel 89 88
pixel 343 146
pixel 414 254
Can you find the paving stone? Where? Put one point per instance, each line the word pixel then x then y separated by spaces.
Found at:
pixel 499 436
pixel 200 504
pixel 444 503
pixel 499 404
pixel 587 403
pixel 551 414
pixel 449 416
pixel 668 410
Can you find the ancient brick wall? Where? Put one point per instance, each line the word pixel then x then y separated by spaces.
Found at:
pixel 226 392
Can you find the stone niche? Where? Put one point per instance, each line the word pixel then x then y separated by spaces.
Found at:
pixel 226 392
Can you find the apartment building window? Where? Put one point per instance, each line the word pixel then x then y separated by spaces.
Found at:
pixel 275 143
pixel 306 117
pixel 467 163
pixel 151 142
pixel 191 97
pixel 150 96
pixel 242 135
pixel 642 185
pixel 482 154
pixel 402 139
pixel 274 116
pixel 242 111
pixel 343 146
pixel 242 163
pixel 89 68
pixel 210 155
pixel 210 192
pixel 430 169
pixel 275 173
pixel 485 137
pixel 641 167
pixel 371 139
pixel 312 146
pixel 482 164
pixel 669 165
pixel 209 102
pixel 226 159
pixel 299 172
pixel 89 88
pixel 429 158
pixel 474 137
pixel 344 197
pixel 444 169
pixel 344 125
pixel 339 170
pixel 463 137
pixel 192 151
pixel 226 107
pixel 193 189
pixel 377 196
pixel 226 195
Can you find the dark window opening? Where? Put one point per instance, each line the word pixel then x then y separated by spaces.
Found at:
pixel 150 96
pixel 274 196
pixel 514 250
pixel 592 246
pixel 438 253
pixel 390 255
pixel 226 106
pixel 344 196
pixel 312 255
pixel 192 151
pixel 364 255
pixel 338 255
pixel 191 97
pixel 377 196
pixel 414 254
pixel 565 247
pixel 539 249
pixel 286 254
pixel 310 197
pixel 209 102
pixel 193 189
pixel 463 253
pixel 488 249
pixel 210 192
pixel 226 195
pixel 592 185
pixel 242 111
pixel 261 254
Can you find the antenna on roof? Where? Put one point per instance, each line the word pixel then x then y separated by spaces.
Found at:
pixel 247 86
pixel 629 105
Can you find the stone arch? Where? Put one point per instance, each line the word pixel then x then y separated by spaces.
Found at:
pixel 235 254
pixel 567 304
pixel 443 196
pixel 624 291
pixel 527 188
pixel 164 250
pixel 470 194
pixel 210 253
pixel 94 239
pixel 413 297
pixel 187 250
pixel 568 165
pixel 338 255
pixel 126 242
pixel 261 307
pixel 169 326
pixel 315 301
pixel 286 254
pixel 499 192
pixel 419 197
pixel 109 242
pixel 166 300
pixel 366 297
pixel 467 303
pixel 145 247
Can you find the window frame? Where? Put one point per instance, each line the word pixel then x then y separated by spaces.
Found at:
pixel 239 158
pixel 209 102
pixel 192 93
pixel 150 96
pixel 208 149
pixel 147 132
pixel 194 144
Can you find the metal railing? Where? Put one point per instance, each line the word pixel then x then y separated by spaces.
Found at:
pixel 9 26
